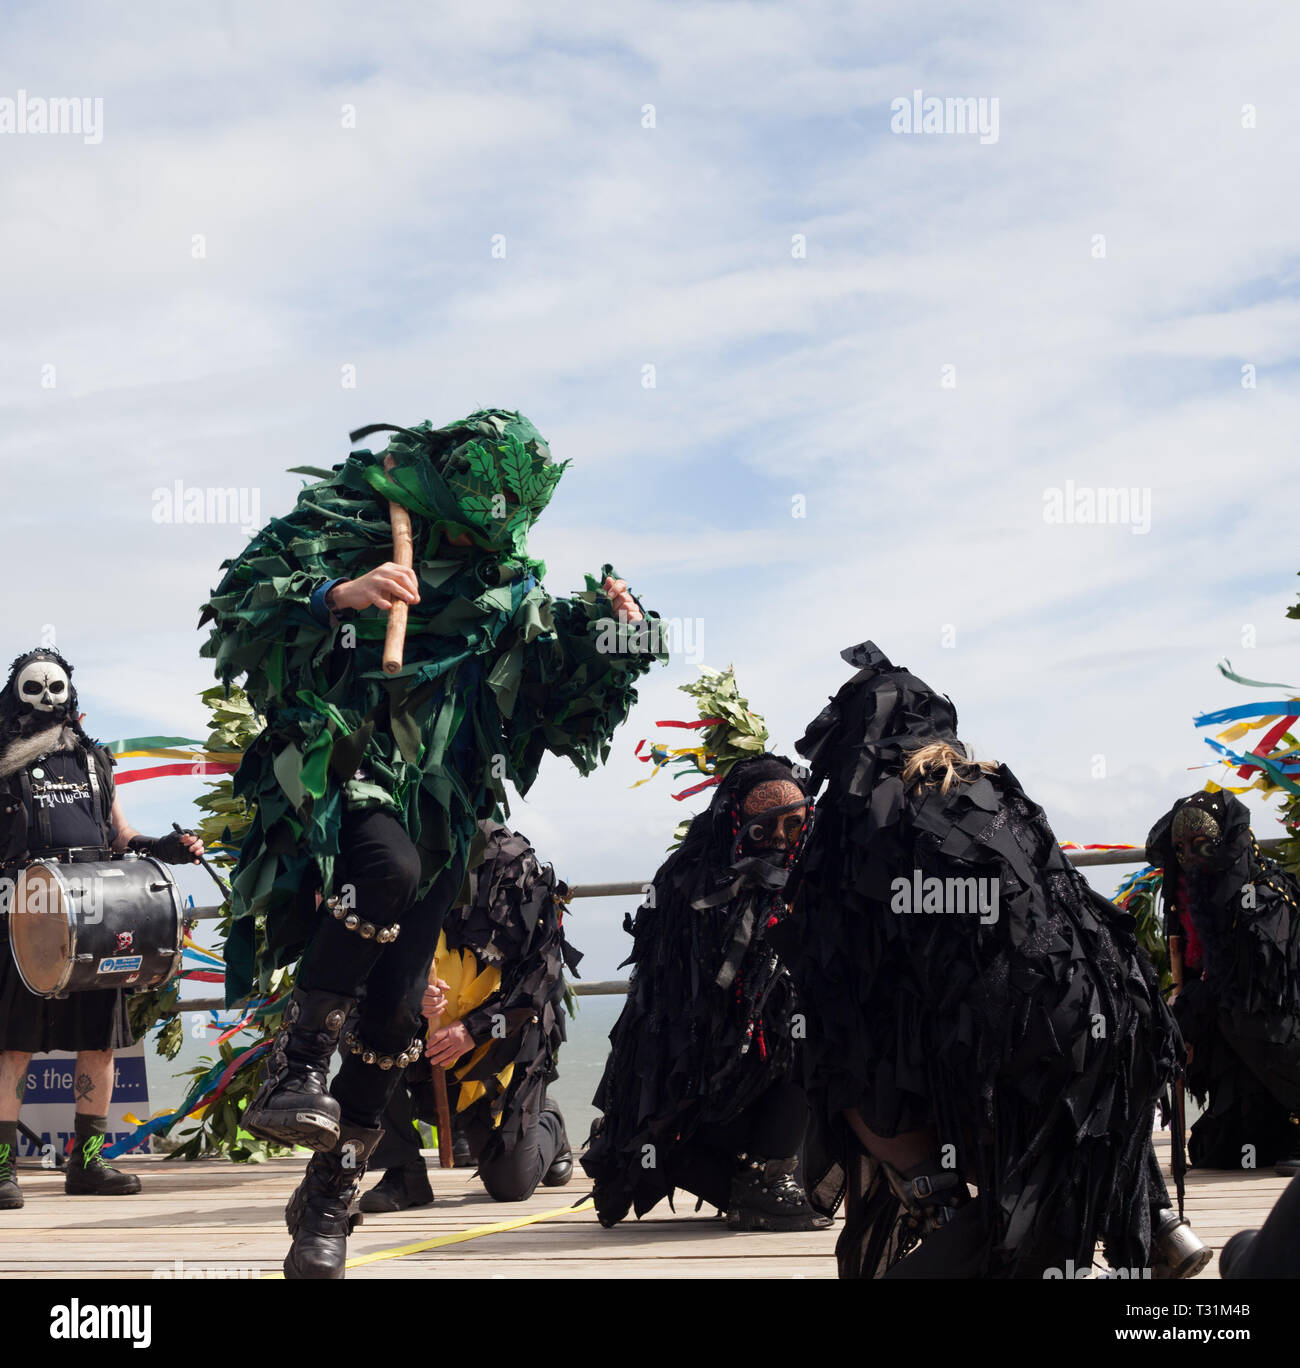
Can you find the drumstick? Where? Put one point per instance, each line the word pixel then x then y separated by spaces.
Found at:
pixel 221 883
pixel 446 1147
pixel 395 637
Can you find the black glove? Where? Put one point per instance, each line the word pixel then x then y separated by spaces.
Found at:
pixel 167 848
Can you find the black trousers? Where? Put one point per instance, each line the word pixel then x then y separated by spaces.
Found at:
pixel 772 1127
pixel 379 871
pixel 509 1177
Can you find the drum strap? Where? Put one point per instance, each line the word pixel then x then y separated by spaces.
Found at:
pixel 102 802
pixel 104 761
pixel 39 813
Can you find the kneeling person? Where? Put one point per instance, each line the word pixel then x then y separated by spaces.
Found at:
pixel 496 1012
pixel 698 1092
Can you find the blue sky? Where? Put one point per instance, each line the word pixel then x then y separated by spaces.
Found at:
pixel 777 377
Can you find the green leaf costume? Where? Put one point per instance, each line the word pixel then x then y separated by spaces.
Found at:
pixel 495 672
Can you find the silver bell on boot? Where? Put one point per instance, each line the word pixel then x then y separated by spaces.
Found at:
pixel 1178 1251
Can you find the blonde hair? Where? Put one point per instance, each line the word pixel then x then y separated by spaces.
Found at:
pixel 942 763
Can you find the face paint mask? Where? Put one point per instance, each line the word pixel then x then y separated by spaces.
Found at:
pixel 778 829
pixel 42 686
pixel 774 813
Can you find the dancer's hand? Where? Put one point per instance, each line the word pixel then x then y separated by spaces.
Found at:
pixel 435 1000
pixel 445 1047
pixel 379 588
pixel 624 604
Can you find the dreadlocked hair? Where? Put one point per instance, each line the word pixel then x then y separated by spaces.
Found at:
pixel 944 764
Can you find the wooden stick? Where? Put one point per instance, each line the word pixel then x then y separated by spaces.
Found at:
pixel 1177 968
pixel 395 637
pixel 446 1147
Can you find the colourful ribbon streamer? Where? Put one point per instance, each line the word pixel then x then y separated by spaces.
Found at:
pixel 135 743
pixel 1225 669
pixel 1275 769
pixel 1266 744
pixel 168 753
pixel 1124 893
pixel 197 767
pixel 1278 774
pixel 1275 707
pixel 201 1096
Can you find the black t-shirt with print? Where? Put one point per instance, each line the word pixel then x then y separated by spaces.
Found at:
pixel 60 787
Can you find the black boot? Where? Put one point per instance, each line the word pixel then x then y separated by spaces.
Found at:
pixel 11 1195
pixel 292 1107
pixel 461 1153
pixel 317 1214
pixel 561 1169
pixel 399 1189
pixel 765 1195
pixel 89 1175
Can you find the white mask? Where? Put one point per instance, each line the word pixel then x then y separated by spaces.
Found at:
pixel 43 685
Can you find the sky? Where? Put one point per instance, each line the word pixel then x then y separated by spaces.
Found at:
pixel 820 379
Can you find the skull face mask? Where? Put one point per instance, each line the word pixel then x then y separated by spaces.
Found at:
pixel 43 686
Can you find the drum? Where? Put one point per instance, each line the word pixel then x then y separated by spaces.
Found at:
pixel 94 925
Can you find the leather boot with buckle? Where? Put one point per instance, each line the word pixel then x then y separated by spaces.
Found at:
pixel 318 1214
pixel 293 1107
pixel 930 1201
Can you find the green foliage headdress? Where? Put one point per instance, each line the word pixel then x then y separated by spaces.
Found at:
pixel 730 731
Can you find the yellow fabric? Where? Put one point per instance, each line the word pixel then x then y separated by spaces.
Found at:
pixel 469 985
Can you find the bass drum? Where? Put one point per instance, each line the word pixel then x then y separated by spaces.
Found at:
pixel 94 925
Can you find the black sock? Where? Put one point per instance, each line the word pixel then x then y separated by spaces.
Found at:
pixel 85 1127
pixel 9 1136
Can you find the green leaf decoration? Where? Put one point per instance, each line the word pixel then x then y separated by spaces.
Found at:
pixel 516 466
pixel 481 465
pixel 478 509
pixel 739 734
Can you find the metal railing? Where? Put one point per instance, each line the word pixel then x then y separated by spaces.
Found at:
pixel 609 987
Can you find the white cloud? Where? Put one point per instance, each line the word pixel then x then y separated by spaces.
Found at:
pixel 776 376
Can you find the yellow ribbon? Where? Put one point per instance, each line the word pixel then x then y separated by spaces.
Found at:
pixel 441 1241
pixel 700 754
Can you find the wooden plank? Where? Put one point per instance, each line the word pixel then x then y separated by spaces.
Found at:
pixel 214 1212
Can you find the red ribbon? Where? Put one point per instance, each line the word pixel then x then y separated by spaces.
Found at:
pixel 162 771
pixel 1270 739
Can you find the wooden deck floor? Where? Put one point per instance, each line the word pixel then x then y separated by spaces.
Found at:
pixel 228 1218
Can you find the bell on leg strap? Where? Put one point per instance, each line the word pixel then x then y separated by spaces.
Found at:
pixel 382 935
pixel 355 1045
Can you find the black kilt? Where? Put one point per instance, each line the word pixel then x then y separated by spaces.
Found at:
pixel 95 1020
